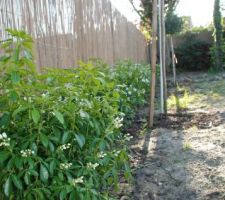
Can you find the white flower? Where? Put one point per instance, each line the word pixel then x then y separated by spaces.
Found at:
pixel 45 95
pixel 26 153
pixel 65 165
pixel 4 140
pixel 4 135
pixel 65 146
pixel 118 122
pixel 128 137
pixel 77 180
pixel 68 85
pixel 116 153
pixel 101 154
pixel 92 166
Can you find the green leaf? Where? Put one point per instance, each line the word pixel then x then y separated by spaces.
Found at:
pixel 7 187
pixel 60 175
pixel 35 115
pixel 18 162
pixel 59 116
pixel 69 188
pixel 15 78
pixel 13 96
pixel 27 178
pixel 18 110
pixel 33 172
pixel 5 120
pixel 4 155
pixel 43 173
pixel 39 193
pixel 17 182
pixel 52 167
pixel 65 137
pixel 87 195
pixel 44 140
pixel 51 146
pixel 72 195
pixel 62 194
pixel 80 139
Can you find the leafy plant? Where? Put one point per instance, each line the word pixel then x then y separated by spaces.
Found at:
pixel 60 131
pixel 193 54
pixel 218 33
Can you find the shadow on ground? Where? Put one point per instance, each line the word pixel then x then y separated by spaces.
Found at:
pixel 179 161
pixel 183 157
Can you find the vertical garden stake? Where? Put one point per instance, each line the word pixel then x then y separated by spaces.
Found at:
pixel 153 63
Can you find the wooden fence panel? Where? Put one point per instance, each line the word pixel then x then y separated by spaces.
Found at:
pixel 66 31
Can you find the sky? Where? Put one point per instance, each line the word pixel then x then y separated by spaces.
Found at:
pixel 201 11
pixel 125 7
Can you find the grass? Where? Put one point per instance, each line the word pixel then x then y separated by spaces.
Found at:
pixel 187 146
pixel 179 101
pixel 208 94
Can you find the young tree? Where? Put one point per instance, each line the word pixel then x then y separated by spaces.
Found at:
pixel 147 8
pixel 218 37
pixel 153 63
pixel 174 25
pixel 149 14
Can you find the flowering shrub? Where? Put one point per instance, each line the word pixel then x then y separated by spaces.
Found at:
pixel 60 134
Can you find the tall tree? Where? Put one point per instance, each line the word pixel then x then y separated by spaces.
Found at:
pixel 149 14
pixel 147 8
pixel 218 34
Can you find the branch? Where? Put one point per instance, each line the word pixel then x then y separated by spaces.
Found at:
pixel 139 12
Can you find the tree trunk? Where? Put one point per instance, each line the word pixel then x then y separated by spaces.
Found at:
pixel 161 59
pixel 173 60
pixel 164 56
pixel 153 64
pixel 217 18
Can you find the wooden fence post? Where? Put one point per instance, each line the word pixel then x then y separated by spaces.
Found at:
pixel 153 63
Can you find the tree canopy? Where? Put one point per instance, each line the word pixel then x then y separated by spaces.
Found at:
pixel 173 23
pixel 146 11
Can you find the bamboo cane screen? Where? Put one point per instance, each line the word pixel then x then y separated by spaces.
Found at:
pixel 66 31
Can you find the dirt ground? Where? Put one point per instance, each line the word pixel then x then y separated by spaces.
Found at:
pixel 183 157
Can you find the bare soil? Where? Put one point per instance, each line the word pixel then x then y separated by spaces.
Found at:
pixel 183 157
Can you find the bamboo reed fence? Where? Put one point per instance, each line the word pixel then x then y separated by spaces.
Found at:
pixel 66 31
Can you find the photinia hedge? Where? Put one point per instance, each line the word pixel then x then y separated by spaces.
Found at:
pixel 60 130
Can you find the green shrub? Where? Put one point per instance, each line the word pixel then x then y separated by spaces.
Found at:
pixel 193 54
pixel 132 83
pixel 60 134
pixel 213 58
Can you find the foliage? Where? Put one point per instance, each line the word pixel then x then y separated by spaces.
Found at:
pixel 199 29
pixel 146 11
pixel 218 51
pixel 193 54
pixel 135 84
pixel 173 24
pixel 60 131
pixel 187 23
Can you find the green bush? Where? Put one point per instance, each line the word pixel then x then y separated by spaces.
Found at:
pixel 213 58
pixel 60 131
pixel 193 54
